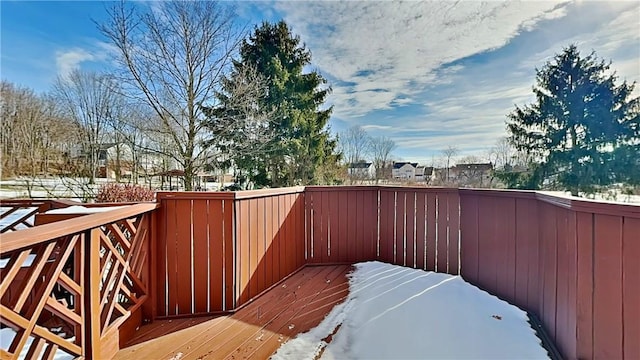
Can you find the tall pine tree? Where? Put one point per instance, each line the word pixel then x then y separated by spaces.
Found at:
pixel 582 131
pixel 301 150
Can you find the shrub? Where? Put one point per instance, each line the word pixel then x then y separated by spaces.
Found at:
pixel 115 192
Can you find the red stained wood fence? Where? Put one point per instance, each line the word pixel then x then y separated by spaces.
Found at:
pixel 413 227
pixel 573 263
pixel 217 251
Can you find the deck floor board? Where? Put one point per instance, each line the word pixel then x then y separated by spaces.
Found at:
pixel 255 331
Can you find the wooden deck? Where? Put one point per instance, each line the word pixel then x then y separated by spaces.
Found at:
pixel 295 305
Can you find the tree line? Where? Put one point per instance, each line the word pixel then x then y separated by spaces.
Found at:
pixel 189 85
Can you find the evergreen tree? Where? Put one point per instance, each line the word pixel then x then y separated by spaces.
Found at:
pixel 301 150
pixel 582 131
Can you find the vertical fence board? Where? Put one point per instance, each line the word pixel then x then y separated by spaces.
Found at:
pixel 454 233
pixel 385 232
pixel 371 224
pixel 261 247
pixel 268 240
pixel 469 231
pixel 505 232
pixel 443 227
pixel 562 278
pixel 631 287
pixel 215 255
pixel 486 261
pixel 584 230
pixel 351 226
pixel 184 255
pixel 242 244
pixel 342 212
pixel 275 242
pixel 431 231
pixel 410 233
pixel 421 231
pixel 227 238
pixel 172 267
pixel 523 248
pixel 201 255
pixel 570 332
pixel 162 221
pixel 549 267
pixel 607 287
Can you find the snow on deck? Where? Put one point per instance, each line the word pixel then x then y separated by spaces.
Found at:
pixel 394 312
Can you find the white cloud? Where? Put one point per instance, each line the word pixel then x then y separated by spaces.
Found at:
pixel 399 46
pixel 69 60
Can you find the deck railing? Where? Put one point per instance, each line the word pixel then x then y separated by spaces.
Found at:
pixel 572 263
pixel 75 286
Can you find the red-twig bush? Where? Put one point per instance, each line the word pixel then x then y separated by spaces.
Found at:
pixel 114 192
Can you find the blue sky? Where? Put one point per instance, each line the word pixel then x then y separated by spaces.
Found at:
pixel 426 74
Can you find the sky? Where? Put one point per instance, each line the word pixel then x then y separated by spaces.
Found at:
pixel 429 75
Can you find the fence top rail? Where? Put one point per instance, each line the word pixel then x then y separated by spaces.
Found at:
pixel 380 187
pixel 40 234
pixel 567 202
pixel 590 206
pixel 227 195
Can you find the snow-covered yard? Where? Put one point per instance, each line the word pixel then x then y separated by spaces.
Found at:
pixel 394 312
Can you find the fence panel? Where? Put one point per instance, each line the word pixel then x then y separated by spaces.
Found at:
pixel 194 252
pixel 270 239
pixel 568 261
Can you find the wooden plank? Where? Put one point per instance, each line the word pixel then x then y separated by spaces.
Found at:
pixel 215 254
pixel 572 265
pixel 523 245
pixel 184 256
pixel 584 326
pixel 269 235
pixel 201 245
pixel 289 236
pixel 323 248
pixel 242 264
pixel 351 227
pixel 29 237
pixel 607 288
pixel 410 230
pixel 277 250
pixel 549 267
pixel 469 237
pixel 443 239
pixel 486 245
pixel 431 231
pixel 631 287
pixel 562 281
pixel 359 220
pixel 261 249
pixel 254 288
pixel 399 239
pixel 336 243
pixel 371 224
pixel 171 260
pixel 505 232
pixel 228 241
pixel 454 234
pixel 385 231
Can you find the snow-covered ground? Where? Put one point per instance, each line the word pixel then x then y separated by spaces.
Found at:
pixel 394 312
pixel 7 335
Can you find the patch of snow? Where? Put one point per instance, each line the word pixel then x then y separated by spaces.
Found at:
pixel 394 312
pixel 16 215
pixel 7 335
pixel 78 209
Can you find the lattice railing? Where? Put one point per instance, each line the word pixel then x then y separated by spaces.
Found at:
pixel 67 287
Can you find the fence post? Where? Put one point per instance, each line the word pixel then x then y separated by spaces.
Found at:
pixel 91 299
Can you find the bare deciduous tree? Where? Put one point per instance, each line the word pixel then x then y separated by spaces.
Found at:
pixel 449 153
pixel 173 57
pixel 88 99
pixel 381 148
pixel 355 145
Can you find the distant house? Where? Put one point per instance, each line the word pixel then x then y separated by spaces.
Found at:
pixel 477 174
pixel 362 170
pixel 424 173
pixel 404 170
